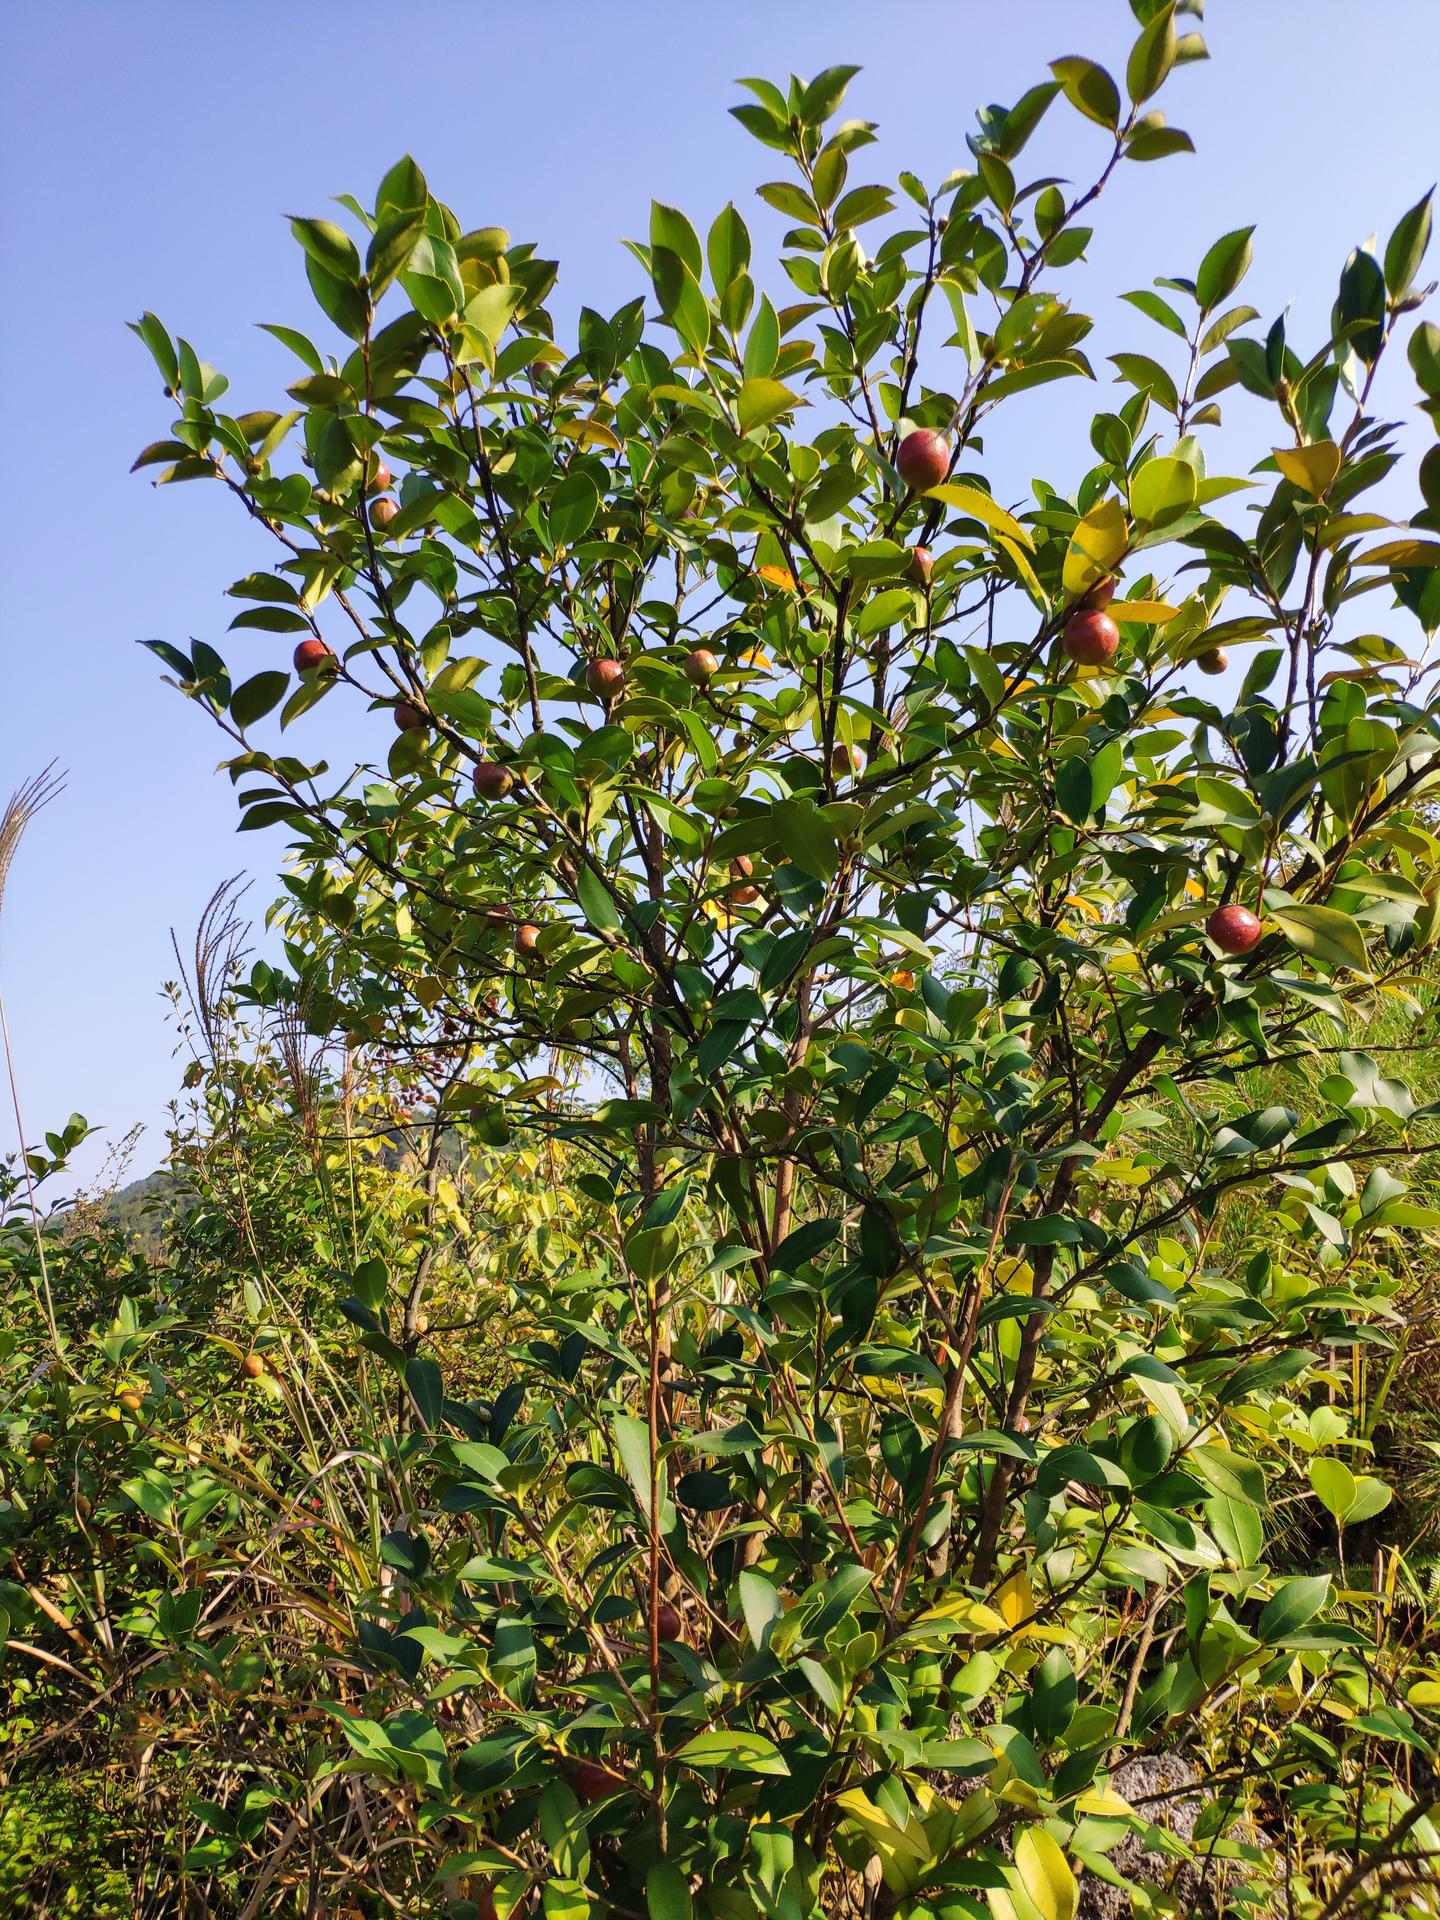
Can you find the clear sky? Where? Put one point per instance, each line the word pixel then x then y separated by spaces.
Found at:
pixel 150 148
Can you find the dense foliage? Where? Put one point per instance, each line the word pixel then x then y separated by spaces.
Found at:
pixel 740 1341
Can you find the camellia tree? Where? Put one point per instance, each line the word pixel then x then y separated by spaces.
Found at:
pixel 858 879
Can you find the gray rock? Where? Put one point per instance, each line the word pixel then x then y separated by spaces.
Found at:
pixel 1155 1785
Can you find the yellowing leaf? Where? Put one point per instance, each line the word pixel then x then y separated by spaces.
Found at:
pixel 778 577
pixel 1145 613
pixel 881 1831
pixel 1104 1803
pixel 1016 1600
pixel 1095 547
pixel 977 505
pixel 1403 553
pixel 588 433
pixel 1045 1875
pixel 1312 469
pixel 970 1616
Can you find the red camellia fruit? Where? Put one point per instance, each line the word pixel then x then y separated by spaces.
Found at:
pixel 1234 929
pixel 922 565
pixel 498 915
pixel 605 678
pixel 383 512
pixel 701 666
pixel 1213 660
pixel 845 760
pixel 490 780
pixel 668 1619
pixel 408 717
pixel 923 459
pixel 1091 637
pixel 527 939
pixel 1100 595
pixel 41 1444
pixel 741 868
pixel 253 1365
pixel 591 1779
pixel 311 654
pixel 379 478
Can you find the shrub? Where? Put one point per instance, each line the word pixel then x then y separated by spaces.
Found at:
pixel 861 896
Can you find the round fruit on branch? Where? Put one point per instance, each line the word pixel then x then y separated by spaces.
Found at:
pixel 490 780
pixel 923 459
pixel 1234 929
pixel 591 1780
pixel 606 679
pixel 741 893
pixel 700 667
pixel 409 718
pixel 312 655
pixel 1091 638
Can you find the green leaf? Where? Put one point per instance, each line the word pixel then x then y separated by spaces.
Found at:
pixel 632 1443
pixel 667 1893
pixel 491 310
pixel 1359 311
pixel 728 247
pixel 1406 246
pixel 1223 268
pixel 390 248
pixel 1162 489
pixel 1297 1602
pixel 329 246
pixel 427 1389
pixel 1237 1526
pixel 1157 143
pixel 763 345
pixel 760 1604
pixel 339 299
pixel 882 610
pixel 595 901
pixel 1334 1485
pixel 669 228
pixel 1152 56
pixel 256 697
pixel 861 204
pixel 807 837
pixel 302 348
pixel 1372 1496
pixel 1089 89
pixel 1150 377
pixel 762 400
pixel 749 1752
pixel 1323 933
pixel 825 92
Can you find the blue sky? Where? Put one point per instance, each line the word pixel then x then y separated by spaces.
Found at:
pixel 150 152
